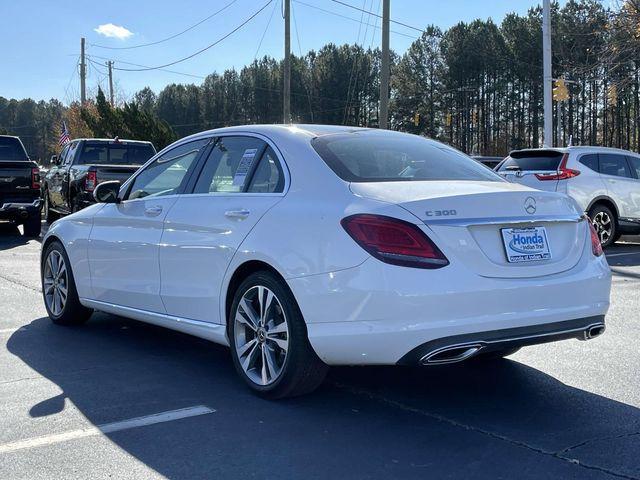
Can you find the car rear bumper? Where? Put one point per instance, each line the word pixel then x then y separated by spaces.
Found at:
pixel 377 313
pixel 20 210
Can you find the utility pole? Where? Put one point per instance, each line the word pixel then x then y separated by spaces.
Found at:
pixel 110 65
pixel 384 68
pixel 83 74
pixel 287 63
pixel 546 73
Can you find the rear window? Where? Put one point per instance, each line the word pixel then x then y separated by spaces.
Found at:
pixel 12 149
pixel 374 156
pixel 116 154
pixel 527 161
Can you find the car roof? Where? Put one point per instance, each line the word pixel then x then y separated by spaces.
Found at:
pixel 575 148
pixel 110 140
pixel 281 129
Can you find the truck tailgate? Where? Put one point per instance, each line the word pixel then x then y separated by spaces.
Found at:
pixel 15 181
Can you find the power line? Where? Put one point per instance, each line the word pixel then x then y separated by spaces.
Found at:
pixel 170 37
pixel 335 14
pixel 202 77
pixel 379 16
pixel 158 67
pixel 275 5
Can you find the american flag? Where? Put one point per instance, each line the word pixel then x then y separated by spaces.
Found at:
pixel 64 135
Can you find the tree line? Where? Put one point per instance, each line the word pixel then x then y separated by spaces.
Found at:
pixel 476 86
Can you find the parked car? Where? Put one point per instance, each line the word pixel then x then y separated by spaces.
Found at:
pixel 82 164
pixel 308 246
pixel 489 162
pixel 605 182
pixel 19 186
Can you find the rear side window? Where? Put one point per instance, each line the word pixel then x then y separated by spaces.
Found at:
pixel 11 149
pixel 614 164
pixel 532 161
pixel 229 165
pixel 635 165
pixel 268 177
pixel 590 160
pixel 116 154
pixel 373 156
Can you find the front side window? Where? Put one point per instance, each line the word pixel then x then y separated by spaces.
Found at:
pixel 614 164
pixel 71 153
pixel 373 156
pixel 166 174
pixel 229 165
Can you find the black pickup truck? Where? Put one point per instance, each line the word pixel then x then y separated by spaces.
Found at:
pixel 19 186
pixel 68 185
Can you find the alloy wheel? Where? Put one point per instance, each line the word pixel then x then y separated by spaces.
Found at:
pixel 56 282
pixel 261 335
pixel 603 225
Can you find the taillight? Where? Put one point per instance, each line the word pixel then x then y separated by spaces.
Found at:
pixel 35 178
pixel 394 241
pixel 596 246
pixel 91 181
pixel 563 172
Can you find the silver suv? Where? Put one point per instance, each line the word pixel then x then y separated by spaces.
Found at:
pixel 604 181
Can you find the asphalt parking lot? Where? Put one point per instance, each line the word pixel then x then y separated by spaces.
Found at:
pixel 121 399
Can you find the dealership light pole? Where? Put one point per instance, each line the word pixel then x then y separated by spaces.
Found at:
pixel 83 74
pixel 384 67
pixel 286 94
pixel 546 73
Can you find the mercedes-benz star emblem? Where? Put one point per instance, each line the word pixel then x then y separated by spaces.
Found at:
pixel 530 205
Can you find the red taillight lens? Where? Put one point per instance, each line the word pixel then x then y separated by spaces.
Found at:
pixel 596 246
pixel 91 181
pixel 563 172
pixel 394 241
pixel 35 178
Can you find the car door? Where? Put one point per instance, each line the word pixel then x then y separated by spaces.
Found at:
pixel 621 186
pixel 242 178
pixel 66 176
pixel 634 162
pixel 124 241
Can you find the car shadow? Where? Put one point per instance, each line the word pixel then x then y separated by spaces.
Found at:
pixel 624 254
pixel 11 235
pixel 373 422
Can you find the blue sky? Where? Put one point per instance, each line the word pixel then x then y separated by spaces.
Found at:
pixel 41 38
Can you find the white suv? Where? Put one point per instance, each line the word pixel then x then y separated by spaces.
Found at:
pixel 604 181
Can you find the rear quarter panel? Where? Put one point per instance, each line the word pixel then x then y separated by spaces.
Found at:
pixel 585 187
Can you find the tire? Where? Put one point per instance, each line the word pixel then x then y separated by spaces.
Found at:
pixel 257 340
pixel 56 274
pixel 497 354
pixel 33 226
pixel 49 215
pixel 605 223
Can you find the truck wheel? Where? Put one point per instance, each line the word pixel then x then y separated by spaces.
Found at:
pixel 49 215
pixel 33 226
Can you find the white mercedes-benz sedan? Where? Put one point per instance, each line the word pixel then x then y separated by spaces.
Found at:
pixel 307 246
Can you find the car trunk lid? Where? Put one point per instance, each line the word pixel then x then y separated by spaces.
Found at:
pixel 466 220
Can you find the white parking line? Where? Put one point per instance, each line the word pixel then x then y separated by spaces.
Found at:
pixel 106 428
pixel 9 330
pixel 620 254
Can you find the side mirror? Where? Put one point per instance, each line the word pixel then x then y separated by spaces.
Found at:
pixel 107 192
pixel 54 160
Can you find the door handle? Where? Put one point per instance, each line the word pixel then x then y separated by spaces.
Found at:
pixel 239 214
pixel 153 211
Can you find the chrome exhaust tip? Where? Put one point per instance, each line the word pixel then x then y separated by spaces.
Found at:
pixel 451 354
pixel 593 331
